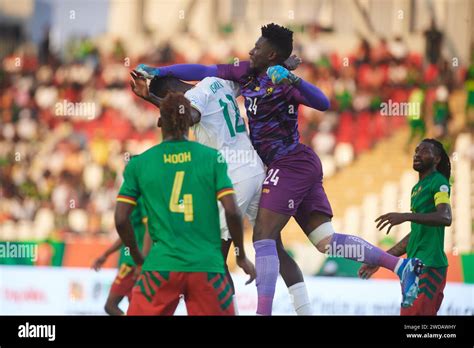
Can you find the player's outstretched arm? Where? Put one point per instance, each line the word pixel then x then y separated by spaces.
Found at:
pixel 98 263
pixel 187 72
pixel 306 93
pixel 312 96
pixel 197 72
pixel 125 230
pixel 234 223
pixel 441 217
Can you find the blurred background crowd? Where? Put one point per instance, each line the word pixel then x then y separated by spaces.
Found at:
pixel 61 166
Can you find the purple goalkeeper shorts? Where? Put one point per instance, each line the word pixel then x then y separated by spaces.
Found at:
pixel 294 186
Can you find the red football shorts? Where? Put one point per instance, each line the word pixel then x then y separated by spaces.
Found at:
pixel 428 302
pixel 124 282
pixel 158 293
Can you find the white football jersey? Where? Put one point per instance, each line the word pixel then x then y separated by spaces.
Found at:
pixel 221 126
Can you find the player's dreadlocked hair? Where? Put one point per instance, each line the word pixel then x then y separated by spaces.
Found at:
pixel 280 38
pixel 444 165
pixel 175 114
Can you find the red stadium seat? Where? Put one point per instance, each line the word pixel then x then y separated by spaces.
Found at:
pixel 363 140
pixel 345 130
pixel 380 126
pixel 398 95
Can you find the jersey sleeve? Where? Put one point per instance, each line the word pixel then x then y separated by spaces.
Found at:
pixel 233 72
pixel 129 191
pixel 198 98
pixel 307 94
pixel 143 212
pixel 189 72
pixel 440 190
pixel 223 183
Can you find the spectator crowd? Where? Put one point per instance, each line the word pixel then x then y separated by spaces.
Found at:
pixel 68 126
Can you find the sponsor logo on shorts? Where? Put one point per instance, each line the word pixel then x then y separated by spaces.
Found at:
pixel 265 190
pixel 416 192
pixel 291 203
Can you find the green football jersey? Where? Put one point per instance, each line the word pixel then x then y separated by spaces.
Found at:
pixel 138 219
pixel 427 242
pixel 180 182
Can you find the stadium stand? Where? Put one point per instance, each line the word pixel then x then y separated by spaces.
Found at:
pixel 60 170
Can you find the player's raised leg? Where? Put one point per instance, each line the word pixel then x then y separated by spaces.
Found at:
pixel 314 215
pixel 321 233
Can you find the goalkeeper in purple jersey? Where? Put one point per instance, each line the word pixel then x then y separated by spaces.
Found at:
pixel 293 186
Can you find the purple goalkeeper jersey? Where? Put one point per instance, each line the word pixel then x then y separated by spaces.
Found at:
pixel 272 110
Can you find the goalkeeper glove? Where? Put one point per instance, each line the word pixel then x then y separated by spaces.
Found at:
pixel 148 71
pixel 279 74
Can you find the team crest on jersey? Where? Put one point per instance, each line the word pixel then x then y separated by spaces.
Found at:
pixel 416 192
pixel 269 91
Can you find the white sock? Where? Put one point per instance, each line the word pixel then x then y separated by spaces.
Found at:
pixel 300 299
pixel 236 309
